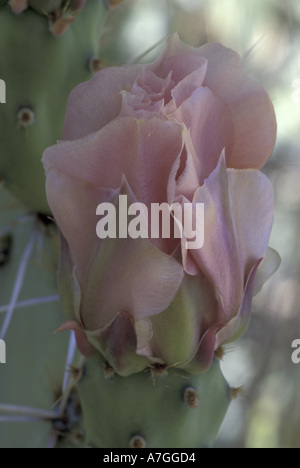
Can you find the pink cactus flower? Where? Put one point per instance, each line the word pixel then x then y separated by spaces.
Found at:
pixel 189 128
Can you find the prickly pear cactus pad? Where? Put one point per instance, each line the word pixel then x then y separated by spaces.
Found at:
pixel 176 410
pixel 46 50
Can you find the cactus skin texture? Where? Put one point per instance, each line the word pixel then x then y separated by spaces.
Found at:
pixel 177 410
pixel 40 70
pixel 36 359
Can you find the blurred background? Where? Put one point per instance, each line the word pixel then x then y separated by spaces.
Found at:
pixel 266 33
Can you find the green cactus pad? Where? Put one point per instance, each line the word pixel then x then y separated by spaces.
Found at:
pixel 35 359
pixel 39 70
pixel 178 410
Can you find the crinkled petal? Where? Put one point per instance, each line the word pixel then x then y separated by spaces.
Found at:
pixel 133 105
pixel 92 105
pixel 178 58
pixel 143 150
pixel 78 171
pixel 152 86
pixel 186 87
pixel 249 106
pixel 210 127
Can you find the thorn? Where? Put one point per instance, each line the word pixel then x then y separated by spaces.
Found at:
pixel 58 26
pixel 137 442
pixel 158 370
pixel 191 398
pixel 26 117
pixel 109 372
pixel 236 392
pixel 95 65
pixel 77 437
pixel 220 353
pixel 76 373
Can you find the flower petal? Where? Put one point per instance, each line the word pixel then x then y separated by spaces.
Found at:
pixel 143 150
pixel 239 324
pixel 69 289
pixel 248 103
pixel 178 330
pixel 74 203
pixel 219 258
pixel 249 107
pixel 184 175
pixel 128 275
pixel 210 127
pixel 82 342
pixel 267 268
pixel 178 58
pixel 238 220
pixel 252 204
pixel 117 342
pixel 204 356
pixel 94 104
pixel 188 85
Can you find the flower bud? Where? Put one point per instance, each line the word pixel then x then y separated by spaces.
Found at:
pixel 189 130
